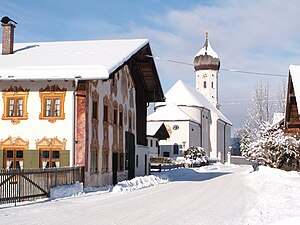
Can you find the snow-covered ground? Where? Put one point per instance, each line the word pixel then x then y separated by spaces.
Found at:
pixel 217 194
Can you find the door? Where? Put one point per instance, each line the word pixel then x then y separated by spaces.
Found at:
pixel 115 168
pixel 130 154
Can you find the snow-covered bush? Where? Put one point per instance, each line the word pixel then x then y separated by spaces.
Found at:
pixel 195 155
pixel 275 149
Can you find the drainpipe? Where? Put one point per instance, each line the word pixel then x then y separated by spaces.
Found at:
pixel 224 142
pixel 72 155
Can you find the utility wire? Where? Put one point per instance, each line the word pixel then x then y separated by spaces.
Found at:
pixel 223 69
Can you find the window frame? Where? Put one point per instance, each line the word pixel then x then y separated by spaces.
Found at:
pixel 50 144
pixel 15 94
pixel 53 95
pixel 51 159
pixel 14 158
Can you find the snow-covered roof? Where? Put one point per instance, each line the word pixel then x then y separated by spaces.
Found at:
pixel 157 129
pixel 295 75
pixel 67 60
pixel 207 50
pixel 182 94
pixel 170 112
pixel 153 127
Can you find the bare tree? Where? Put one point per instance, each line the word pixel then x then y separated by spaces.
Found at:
pixel 279 98
pixel 260 108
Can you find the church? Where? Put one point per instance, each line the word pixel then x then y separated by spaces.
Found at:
pixel 191 115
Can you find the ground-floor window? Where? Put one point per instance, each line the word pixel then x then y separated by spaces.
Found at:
pixel 13 158
pixel 49 158
pixel 94 161
pixel 175 149
pixel 105 161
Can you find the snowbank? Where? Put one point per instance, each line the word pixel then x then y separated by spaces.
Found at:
pixel 63 191
pixel 278 196
pixel 138 183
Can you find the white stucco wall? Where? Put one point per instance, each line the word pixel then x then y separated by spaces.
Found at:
pixel 206 121
pixel 194 112
pixel 33 128
pixel 187 134
pixel 153 150
pixel 194 135
pixel 223 139
pixel 213 136
pixel 210 92
pixel 141 161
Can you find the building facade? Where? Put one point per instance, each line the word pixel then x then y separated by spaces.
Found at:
pixel 80 103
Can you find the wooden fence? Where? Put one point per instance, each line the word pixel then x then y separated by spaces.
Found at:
pixel 159 167
pixel 30 184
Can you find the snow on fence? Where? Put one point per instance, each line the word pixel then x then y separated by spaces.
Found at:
pixel 30 184
pixel 239 160
pixel 168 166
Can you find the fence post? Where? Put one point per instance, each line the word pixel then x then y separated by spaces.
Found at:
pixel 228 157
pixel 219 156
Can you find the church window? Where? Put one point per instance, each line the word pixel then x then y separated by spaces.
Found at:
pixel 204 84
pixel 175 127
pixel 137 161
pixel 175 149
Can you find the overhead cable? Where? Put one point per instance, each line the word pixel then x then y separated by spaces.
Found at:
pixel 223 69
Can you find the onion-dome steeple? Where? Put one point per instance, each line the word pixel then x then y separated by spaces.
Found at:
pixel 206 58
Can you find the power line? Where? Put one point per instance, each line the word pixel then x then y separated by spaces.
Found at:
pixel 223 69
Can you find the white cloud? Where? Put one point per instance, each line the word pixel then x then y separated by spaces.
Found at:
pixel 261 36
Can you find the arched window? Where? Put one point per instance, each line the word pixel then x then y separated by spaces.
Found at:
pixel 204 84
pixel 212 84
pixel 175 149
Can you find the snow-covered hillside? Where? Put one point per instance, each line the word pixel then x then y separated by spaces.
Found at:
pixel 218 194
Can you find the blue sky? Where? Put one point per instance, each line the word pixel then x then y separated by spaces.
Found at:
pixel 251 35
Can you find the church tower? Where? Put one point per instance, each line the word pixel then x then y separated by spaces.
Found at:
pixel 207 65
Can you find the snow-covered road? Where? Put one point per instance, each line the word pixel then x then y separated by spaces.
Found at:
pixel 214 197
pixel 210 195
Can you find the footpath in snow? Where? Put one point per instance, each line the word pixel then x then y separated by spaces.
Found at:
pixel 216 194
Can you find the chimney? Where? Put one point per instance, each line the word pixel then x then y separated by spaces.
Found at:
pixel 7 35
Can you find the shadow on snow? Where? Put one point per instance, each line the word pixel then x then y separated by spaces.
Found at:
pixel 189 174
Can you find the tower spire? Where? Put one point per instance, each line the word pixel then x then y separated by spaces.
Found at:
pixel 206 40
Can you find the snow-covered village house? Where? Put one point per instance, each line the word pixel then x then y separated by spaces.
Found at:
pixel 156 131
pixel 292 112
pixel 191 115
pixel 77 103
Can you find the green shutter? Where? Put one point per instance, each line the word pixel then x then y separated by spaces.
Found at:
pixel 1 159
pixel 31 159
pixel 64 156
